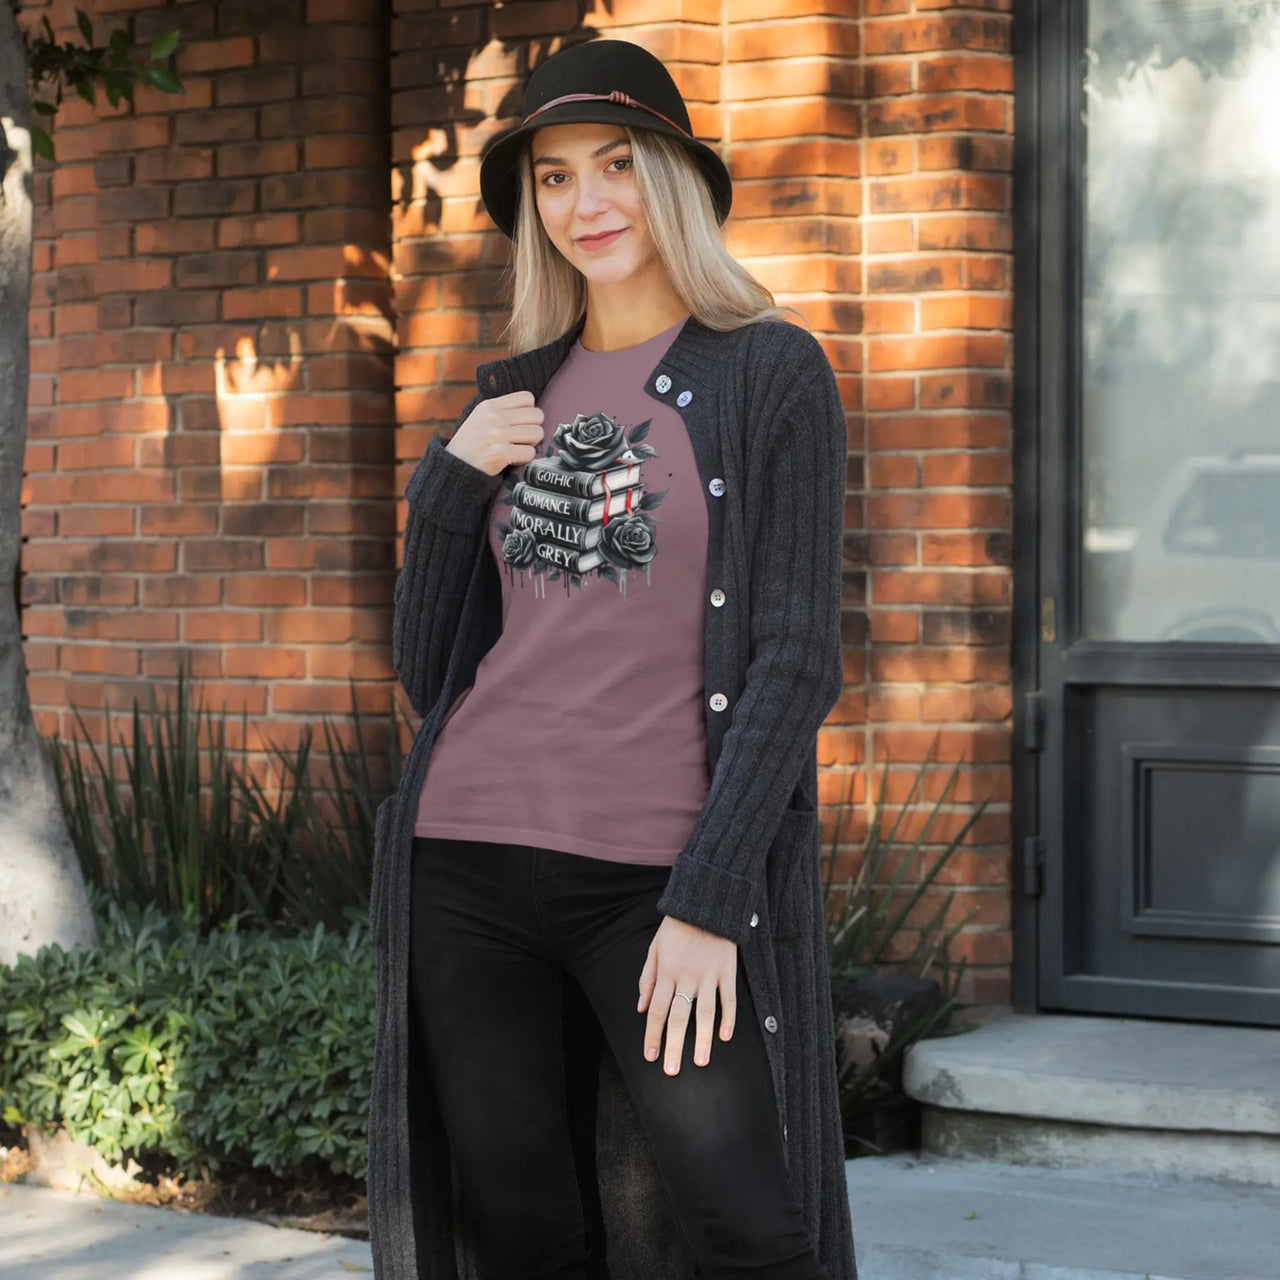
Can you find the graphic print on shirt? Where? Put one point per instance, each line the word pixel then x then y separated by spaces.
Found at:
pixel 582 507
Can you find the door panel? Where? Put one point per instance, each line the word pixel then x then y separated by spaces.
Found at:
pixel 1152 609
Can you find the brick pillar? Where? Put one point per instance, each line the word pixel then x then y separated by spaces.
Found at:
pixel 937 235
pixel 210 464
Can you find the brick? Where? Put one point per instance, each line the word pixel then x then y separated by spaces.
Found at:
pixel 990 74
pixel 974 152
pixel 956 586
pixel 991 390
pixel 169 307
pixel 133 133
pixel 194 57
pixel 965 549
pixel 255 304
pixel 966 231
pixel 256 229
pixel 962 191
pixel 967 311
pixel 255 86
pixel 913 275
pixel 936 353
pixel 243 159
pixel 897 156
pixel 794 118
pixel 886 78
pixel 802 38
pixel 798 77
pixel 214 199
pixel 931 35
pixel 221 270
pixel 216 126
pixel 175 236
pixel 889 235
pixel 937 511
pixel 133 204
pixel 805 158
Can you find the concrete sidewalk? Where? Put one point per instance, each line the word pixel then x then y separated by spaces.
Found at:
pixel 926 1218
pixel 58 1235
pixel 915 1219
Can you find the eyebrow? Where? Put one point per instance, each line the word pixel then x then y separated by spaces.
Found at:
pixel 599 151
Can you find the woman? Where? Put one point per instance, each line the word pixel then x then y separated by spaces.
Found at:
pixel 616 841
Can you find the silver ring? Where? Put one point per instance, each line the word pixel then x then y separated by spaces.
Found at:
pixel 682 996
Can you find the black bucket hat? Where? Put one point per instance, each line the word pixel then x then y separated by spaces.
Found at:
pixel 597 82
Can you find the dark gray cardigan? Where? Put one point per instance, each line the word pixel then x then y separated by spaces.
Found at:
pixel 769 436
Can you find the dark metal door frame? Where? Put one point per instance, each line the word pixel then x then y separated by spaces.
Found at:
pixel 1048 660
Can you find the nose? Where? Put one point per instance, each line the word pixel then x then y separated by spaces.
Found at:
pixel 592 197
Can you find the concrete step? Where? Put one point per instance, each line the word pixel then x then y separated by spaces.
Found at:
pixel 929 1218
pixel 1123 1094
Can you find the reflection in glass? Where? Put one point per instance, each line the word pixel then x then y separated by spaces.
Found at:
pixel 1181 321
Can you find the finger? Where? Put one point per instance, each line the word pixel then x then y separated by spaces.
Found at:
pixel 704 1015
pixel 654 1023
pixel 677 1024
pixel 522 417
pixel 728 1004
pixel 647 975
pixel 513 398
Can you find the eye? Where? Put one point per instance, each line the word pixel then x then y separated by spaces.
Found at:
pixel 554 173
pixel 622 160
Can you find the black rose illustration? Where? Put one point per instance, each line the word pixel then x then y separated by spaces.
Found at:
pixel 628 542
pixel 590 444
pixel 519 549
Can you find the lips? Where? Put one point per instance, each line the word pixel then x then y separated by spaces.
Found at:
pixel 598 241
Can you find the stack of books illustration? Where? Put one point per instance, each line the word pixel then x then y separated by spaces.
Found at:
pixel 567 510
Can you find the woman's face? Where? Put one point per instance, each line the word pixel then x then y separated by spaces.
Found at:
pixel 589 202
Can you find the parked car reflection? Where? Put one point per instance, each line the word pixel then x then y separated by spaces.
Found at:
pixel 1205 565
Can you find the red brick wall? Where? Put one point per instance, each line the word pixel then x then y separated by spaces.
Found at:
pixel 937 315
pixel 870 145
pixel 210 462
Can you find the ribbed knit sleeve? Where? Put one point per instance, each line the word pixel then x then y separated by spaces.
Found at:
pixel 448 499
pixel 794 676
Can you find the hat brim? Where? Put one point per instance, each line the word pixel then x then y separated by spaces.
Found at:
pixel 500 181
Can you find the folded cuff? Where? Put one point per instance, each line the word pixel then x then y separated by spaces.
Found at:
pixel 449 491
pixel 711 898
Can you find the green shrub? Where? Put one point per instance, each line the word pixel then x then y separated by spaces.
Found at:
pixel 863 919
pixel 217 1050
pixel 178 823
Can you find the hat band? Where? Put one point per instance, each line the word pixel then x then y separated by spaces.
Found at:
pixel 625 99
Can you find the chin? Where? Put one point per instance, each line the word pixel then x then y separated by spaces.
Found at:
pixel 608 272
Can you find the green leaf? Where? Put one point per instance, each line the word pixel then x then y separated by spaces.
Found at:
pixel 164 45
pixel 85 89
pixel 86 27
pixel 120 47
pixel 41 143
pixel 44 108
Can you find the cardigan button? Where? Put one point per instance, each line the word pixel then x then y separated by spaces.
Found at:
pixel 718 702
pixel 755 919
pixel 683 398
pixel 771 1023
pixel 662 384
pixel 717 487
pixel 784 1133
pixel 717 597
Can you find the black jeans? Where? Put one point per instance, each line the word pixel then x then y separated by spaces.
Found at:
pixel 495 929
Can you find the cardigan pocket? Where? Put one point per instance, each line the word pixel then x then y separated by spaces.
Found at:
pixel 792 843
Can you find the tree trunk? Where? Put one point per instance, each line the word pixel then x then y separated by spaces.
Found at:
pixel 42 893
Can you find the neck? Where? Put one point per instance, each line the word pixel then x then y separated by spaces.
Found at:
pixel 632 311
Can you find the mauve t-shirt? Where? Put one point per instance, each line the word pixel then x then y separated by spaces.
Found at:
pixel 584 729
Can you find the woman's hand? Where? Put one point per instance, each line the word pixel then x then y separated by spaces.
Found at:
pixel 684 958
pixel 499 432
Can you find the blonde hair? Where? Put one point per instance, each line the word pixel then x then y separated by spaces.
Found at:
pixel 549 294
